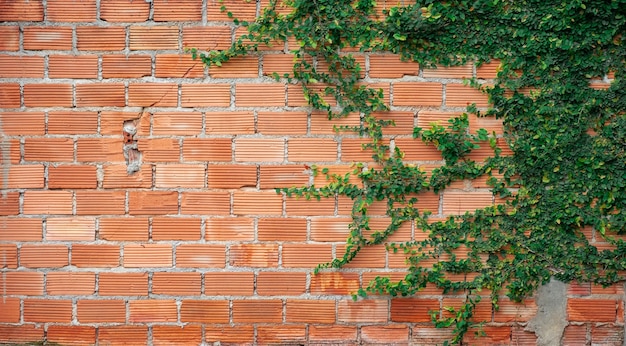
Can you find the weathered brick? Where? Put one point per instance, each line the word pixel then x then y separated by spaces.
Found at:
pixel 99 202
pixel 241 67
pixel 205 95
pixel 229 229
pixel 9 311
pixel 229 123
pixel 207 37
pixel 257 203
pixel 310 311
pixel 177 123
pixel 305 255
pixel 281 283
pixel 282 229
pixel 152 202
pixel 20 229
pixel 207 149
pixel 259 149
pixel 190 334
pixel 254 255
pixel 10 37
pixel 47 202
pixel 260 95
pixel 200 256
pixel 153 94
pixel 180 175
pixel 52 38
pixel 124 334
pixel 70 228
pixel 205 203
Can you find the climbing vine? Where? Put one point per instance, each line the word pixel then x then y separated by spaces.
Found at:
pixel 561 93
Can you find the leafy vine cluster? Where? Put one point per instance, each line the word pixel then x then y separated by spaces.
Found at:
pixel 565 179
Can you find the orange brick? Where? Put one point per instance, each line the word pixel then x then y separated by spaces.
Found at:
pixel 124 11
pixel 229 283
pixel 208 149
pixel 312 149
pixel 240 9
pixel 109 38
pixel 203 203
pixel 68 66
pixel 260 95
pixel 67 122
pixel 8 256
pixel 9 311
pixel 47 202
pixel 147 255
pixel 283 176
pixel 488 70
pixel 352 150
pixel 515 312
pixel 153 94
pixel 44 38
pixel 257 311
pixel 606 334
pixel 200 256
pixel 20 333
pixel 390 66
pixel 362 311
pixel 205 95
pixel 9 95
pixel 282 229
pixel 279 63
pixel 126 66
pixel 282 123
pixel 416 150
pixel 591 310
pixel 122 284
pixel 25 176
pixel 257 203
pixel 70 228
pixel 431 335
pixel 390 334
pixel 231 176
pixel 489 335
pixel 456 72
pixel 152 202
pixel 295 95
pixel 21 66
pixel 177 284
pixel 174 335
pixel 91 256
pixel 207 37
pixel 72 176
pixel 100 95
pixel 417 94
pixel 259 149
pixel 229 229
pixel 334 283
pixel 23 123
pixel 159 150
pixel 79 11
pixel 310 311
pixel 281 283
pixel 459 95
pixel 254 255
pixel 10 35
pixel 125 334
pixel 100 311
pixel 412 309
pixel 176 228
pixel 204 311
pixel 22 283
pixel 179 175
pixel 47 95
pixel 10 203
pixel 49 149
pixel 303 207
pixel 70 283
pixel 369 257
pixel 21 10
pixel 116 176
pixel 20 229
pixel 46 310
pixel 281 334
pixel 68 335
pixel 491 124
pixel 332 334
pixel 182 10
pixel 229 123
pixel 93 202
pixel 330 229
pixel 459 202
pixel 238 335
pixel 177 123
pixel 306 255
pixel 153 310
pixel 153 37
pixel 241 67
pixel 123 229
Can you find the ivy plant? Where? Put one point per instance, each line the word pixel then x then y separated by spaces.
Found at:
pixel 561 94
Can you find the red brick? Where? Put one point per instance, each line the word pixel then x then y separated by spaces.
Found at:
pixel 282 123
pixel 123 229
pixel 21 333
pixel 281 334
pixel 312 149
pixel 208 149
pixel 44 38
pixel 390 334
pixel 207 37
pixel 488 335
pixel 204 311
pixel 68 335
pixel 9 311
pixel 10 36
pixel 153 37
pixel 100 311
pixel 76 11
pixel 282 229
pixel 20 229
pixel 488 70
pixel 278 63
pixel 47 202
pixel 124 11
pixel 71 66
pixel 153 310
pixel 334 283
pixel 259 149
pixel 413 309
pixel 257 203
pixel 607 335
pixel 229 123
pixel 200 256
pixel 126 66
pixel 67 122
pixel 310 311
pixel 334 334
pixel 205 202
pixel 72 176
pixel 170 228
pixel 70 283
pixel 352 150
pixel 417 94
pixel 10 203
pixel 591 310
pixel 254 255
pixel 237 335
pixel 229 229
pixel 369 257
pixel 306 255
pixel 109 38
pixel 459 202
pixel 281 283
pixel 390 66
pixel 70 228
pixel 8 256
pixel 152 202
pixel 283 176
pixel 367 310
pixel 205 95
pixel 47 95
pixel 23 123
pixel 574 334
pixel 257 311
pixel 95 256
pixel 515 312
pixel 21 10
pixel 22 283
pixel 159 150
pixel 181 10
pixel 231 176
pixel 128 334
pixel 229 283
pixel 260 95
pixel 176 284
pixel 9 95
pixel 116 176
pixel 100 95
pixel 153 94
pixel 122 284
pixel 100 202
pixel 147 255
pixel 12 66
pixel 303 207
pixel 175 335
pixel 459 95
pixel 179 175
pixel 49 149
pixel 177 123
pixel 241 67
pixel 240 9
pixel 46 310
pixel 330 229
pixel 25 176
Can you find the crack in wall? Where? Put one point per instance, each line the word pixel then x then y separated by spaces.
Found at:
pixel 131 149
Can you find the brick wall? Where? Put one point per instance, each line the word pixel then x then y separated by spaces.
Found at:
pixel 137 199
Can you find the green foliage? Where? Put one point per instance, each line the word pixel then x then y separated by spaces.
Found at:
pixel 567 173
